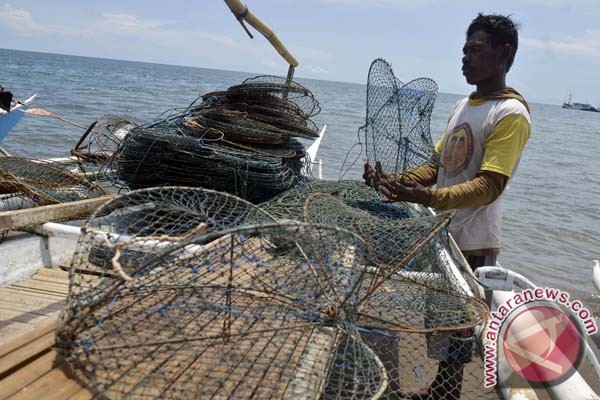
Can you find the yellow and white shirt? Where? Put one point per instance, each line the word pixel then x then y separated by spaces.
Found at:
pixel 482 135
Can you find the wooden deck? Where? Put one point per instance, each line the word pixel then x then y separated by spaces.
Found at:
pixel 29 367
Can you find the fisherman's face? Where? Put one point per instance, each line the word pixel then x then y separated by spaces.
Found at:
pixel 481 60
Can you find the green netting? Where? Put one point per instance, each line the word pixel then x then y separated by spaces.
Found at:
pixel 242 141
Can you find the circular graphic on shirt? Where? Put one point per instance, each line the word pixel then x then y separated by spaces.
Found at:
pixel 458 150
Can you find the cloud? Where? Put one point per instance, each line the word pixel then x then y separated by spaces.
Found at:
pixel 315 69
pixel 587 44
pixel 219 39
pixel 22 22
pixel 311 53
pixel 131 24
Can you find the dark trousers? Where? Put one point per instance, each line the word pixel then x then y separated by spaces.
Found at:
pixel 480 261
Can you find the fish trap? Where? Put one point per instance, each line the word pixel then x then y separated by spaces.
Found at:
pixel 26 182
pixel 244 141
pixel 262 311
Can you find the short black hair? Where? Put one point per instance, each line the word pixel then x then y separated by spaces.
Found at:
pixel 502 30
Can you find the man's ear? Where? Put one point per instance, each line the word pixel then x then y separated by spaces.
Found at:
pixel 506 53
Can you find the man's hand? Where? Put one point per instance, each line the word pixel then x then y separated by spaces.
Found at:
pixel 406 191
pixel 369 175
pixel 393 190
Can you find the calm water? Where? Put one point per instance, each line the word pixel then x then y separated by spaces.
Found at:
pixel 552 212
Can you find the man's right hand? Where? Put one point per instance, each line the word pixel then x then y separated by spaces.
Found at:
pixel 374 176
pixel 370 176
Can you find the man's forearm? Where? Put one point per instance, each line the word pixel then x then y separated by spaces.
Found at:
pixel 484 189
pixel 424 174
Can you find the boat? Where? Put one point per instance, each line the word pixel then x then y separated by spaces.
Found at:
pixel 8 120
pixel 578 106
pixel 34 284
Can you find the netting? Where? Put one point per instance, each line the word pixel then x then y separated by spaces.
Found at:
pixel 103 139
pixel 188 293
pixel 241 141
pixel 27 182
pixel 397 123
pixel 139 225
pixel 212 311
pixel 290 204
pixel 418 320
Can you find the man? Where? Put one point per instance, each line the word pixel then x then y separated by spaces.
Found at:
pixel 5 100
pixel 479 153
pixel 480 148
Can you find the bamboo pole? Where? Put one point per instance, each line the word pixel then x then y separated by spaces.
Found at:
pixel 241 12
pixel 20 219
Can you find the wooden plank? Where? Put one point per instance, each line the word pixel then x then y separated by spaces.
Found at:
pixel 23 353
pixel 10 330
pixel 42 286
pixel 311 371
pixel 40 330
pixel 35 292
pixel 8 316
pixel 51 279
pixel 54 273
pixel 26 375
pixel 24 299
pixel 19 219
pixel 39 309
pixel 56 384
pixel 82 394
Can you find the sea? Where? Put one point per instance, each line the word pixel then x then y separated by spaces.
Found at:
pixel 551 222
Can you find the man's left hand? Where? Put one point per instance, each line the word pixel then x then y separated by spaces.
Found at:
pixel 406 191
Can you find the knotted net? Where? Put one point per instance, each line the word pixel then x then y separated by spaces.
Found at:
pixel 187 293
pixel 243 140
pixel 216 308
pixel 397 123
pixel 28 183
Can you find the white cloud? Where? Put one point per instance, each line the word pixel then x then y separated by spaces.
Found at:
pixel 22 22
pixel 315 69
pixel 588 44
pixel 131 24
pixel 221 39
pixel 311 53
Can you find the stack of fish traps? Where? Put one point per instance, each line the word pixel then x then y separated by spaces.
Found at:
pixel 243 141
pixel 189 293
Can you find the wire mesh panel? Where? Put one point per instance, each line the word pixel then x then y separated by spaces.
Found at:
pixel 39 182
pixel 103 138
pixel 413 313
pixel 258 312
pixel 290 204
pixel 397 124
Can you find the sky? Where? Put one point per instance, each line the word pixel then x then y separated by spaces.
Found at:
pixel 559 49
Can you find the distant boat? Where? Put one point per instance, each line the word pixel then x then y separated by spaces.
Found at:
pixel 578 106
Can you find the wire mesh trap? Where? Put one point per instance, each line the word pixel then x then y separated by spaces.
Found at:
pixel 242 141
pixel 171 296
pixel 27 182
pixel 397 124
pixel 260 312
pixel 396 131
pixel 419 315
pixel 102 139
